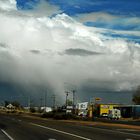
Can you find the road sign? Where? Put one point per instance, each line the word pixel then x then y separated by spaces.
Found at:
pixel 97 99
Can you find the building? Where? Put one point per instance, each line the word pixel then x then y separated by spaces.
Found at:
pixel 129 111
pixel 102 110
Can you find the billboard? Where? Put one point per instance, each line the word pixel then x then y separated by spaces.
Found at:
pixel 82 106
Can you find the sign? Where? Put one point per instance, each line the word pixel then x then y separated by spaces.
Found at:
pixel 105 106
pixel 83 106
pixel 97 99
pixel 69 107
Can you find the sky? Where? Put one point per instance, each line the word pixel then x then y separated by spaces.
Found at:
pixel 53 46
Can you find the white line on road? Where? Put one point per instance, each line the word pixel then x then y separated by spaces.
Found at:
pixel 7 134
pixel 63 132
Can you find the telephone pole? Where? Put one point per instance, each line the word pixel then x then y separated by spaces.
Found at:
pixel 73 93
pixel 67 93
pixel 29 102
pixel 45 101
pixel 54 101
pixel 41 102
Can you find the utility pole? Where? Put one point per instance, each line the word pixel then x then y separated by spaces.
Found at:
pixel 54 101
pixel 73 93
pixel 67 93
pixel 45 100
pixel 41 102
pixel 29 102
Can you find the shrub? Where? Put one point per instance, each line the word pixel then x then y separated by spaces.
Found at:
pixel 47 115
pixel 58 116
pixel 32 110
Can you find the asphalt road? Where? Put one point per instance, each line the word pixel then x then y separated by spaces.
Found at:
pixel 136 122
pixel 13 127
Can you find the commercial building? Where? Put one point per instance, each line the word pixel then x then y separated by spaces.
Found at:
pixel 129 111
pixel 82 108
pixel 102 110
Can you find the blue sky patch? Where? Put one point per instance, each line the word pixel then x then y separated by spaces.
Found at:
pixel 125 10
pixel 128 8
pixel 133 38
pixel 73 7
pixel 115 25
pixel 119 7
pixel 27 4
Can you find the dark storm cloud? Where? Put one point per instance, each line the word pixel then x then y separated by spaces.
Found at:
pixel 80 52
pixel 33 32
pixel 3 45
pixel 35 51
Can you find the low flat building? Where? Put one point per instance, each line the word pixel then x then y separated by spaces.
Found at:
pixel 102 110
pixel 82 108
pixel 128 111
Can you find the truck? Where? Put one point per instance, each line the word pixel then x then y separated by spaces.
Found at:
pixel 114 114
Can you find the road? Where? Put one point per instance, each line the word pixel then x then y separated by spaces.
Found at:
pixel 130 122
pixel 13 127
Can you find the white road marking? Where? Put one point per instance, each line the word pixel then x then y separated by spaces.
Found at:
pixel 7 134
pixel 63 132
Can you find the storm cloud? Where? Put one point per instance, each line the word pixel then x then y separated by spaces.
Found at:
pixel 31 48
pixel 80 52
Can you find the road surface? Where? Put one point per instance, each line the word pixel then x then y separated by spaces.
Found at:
pixel 13 127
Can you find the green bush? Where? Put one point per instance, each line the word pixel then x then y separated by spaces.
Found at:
pixel 64 116
pixel 32 110
pixel 40 110
pixel 13 111
pixel 47 115
pixel 58 116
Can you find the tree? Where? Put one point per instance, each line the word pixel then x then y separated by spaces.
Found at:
pixel 136 96
pixel 16 104
pixel 32 110
pixel 69 102
pixel 6 103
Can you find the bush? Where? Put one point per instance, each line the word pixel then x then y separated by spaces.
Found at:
pixel 47 115
pixel 32 110
pixel 13 111
pixel 64 116
pixel 59 116
pixel 40 110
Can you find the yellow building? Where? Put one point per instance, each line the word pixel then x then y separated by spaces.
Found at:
pixel 104 108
